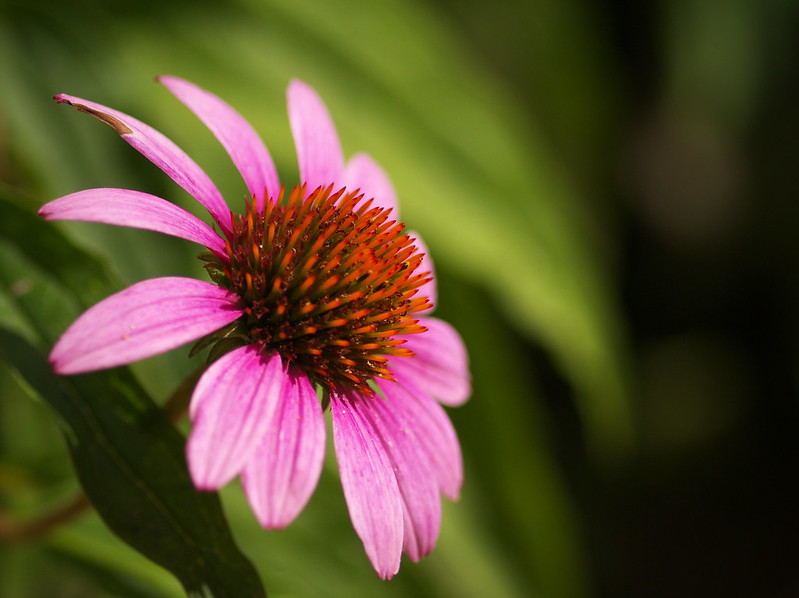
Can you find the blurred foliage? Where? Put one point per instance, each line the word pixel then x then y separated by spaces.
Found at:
pixel 561 159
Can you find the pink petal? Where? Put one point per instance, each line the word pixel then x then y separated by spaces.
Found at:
pixel 281 474
pixel 365 174
pixel 370 486
pixel 160 151
pixel 429 289
pixel 319 153
pixel 242 143
pixel 136 210
pixel 416 480
pixel 434 431
pixel 145 319
pixel 230 411
pixel 440 366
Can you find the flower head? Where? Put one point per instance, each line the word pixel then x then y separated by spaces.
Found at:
pixel 316 290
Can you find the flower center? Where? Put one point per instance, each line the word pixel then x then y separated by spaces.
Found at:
pixel 327 281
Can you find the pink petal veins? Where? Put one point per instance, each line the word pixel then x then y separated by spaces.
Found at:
pixel 282 473
pixel 433 429
pixel 415 478
pixel 134 209
pixel 362 172
pixel 145 319
pixel 370 486
pixel 162 152
pixel 319 155
pixel 242 143
pixel 230 411
pixel 440 366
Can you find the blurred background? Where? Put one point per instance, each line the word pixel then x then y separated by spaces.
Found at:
pixel 608 190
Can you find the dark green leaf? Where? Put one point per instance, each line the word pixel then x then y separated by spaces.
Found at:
pixel 128 457
pixel 130 463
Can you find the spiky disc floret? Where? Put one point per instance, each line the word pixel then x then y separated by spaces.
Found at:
pixel 327 281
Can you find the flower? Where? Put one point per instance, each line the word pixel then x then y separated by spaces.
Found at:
pixel 317 291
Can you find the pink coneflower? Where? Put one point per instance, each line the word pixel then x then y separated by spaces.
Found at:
pixel 319 299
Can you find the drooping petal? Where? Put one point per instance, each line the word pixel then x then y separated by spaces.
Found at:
pixel 135 209
pixel 370 486
pixel 440 365
pixel 145 319
pixel 362 172
pixel 434 431
pixel 160 151
pixel 242 143
pixel 319 155
pixel 417 482
pixel 429 289
pixel 281 474
pixel 230 411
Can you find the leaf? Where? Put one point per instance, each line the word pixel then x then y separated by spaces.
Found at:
pixel 128 457
pixel 82 275
pixel 534 513
pixel 130 462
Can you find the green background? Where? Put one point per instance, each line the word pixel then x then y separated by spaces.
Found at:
pixel 608 190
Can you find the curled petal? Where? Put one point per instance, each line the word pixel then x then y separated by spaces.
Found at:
pixel 434 431
pixel 283 471
pixel 365 174
pixel 440 365
pixel 319 155
pixel 160 151
pixel 145 319
pixel 135 209
pixel 429 289
pixel 415 478
pixel 230 411
pixel 242 143
pixel 370 486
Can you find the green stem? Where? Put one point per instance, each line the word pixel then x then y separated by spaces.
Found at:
pixel 13 531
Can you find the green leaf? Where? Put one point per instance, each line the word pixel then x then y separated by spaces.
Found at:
pixel 128 457
pixel 533 508
pixel 130 462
